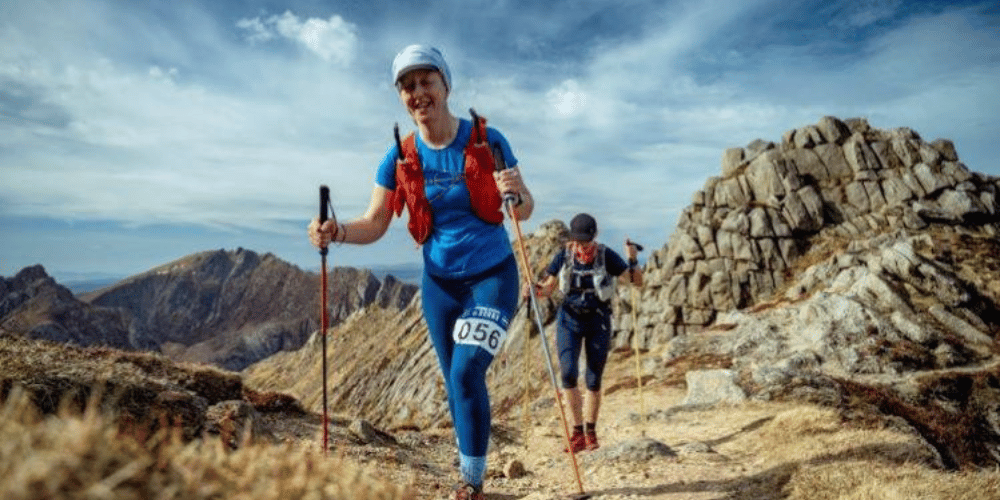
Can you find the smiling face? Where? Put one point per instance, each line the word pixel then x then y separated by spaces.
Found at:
pixel 424 94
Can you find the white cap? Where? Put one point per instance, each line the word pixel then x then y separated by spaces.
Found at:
pixel 420 57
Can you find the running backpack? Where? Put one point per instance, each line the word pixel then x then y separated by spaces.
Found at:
pixel 479 165
pixel 603 284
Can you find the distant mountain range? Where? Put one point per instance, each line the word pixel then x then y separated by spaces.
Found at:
pixel 228 308
pixel 81 283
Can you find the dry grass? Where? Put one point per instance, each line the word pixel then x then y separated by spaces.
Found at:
pixel 873 481
pixel 829 460
pixel 85 456
pixel 796 436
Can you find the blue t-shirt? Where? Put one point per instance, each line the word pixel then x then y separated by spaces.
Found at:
pixel 582 297
pixel 461 244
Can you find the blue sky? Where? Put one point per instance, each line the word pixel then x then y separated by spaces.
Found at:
pixel 134 133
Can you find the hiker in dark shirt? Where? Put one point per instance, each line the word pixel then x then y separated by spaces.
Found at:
pixel 585 272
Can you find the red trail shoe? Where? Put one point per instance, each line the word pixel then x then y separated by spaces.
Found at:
pixel 577 442
pixel 591 440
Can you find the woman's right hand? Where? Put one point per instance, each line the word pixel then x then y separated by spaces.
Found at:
pixel 320 235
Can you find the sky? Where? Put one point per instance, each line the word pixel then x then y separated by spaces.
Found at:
pixel 136 133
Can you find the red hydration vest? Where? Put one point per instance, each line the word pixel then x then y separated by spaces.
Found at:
pixel 479 165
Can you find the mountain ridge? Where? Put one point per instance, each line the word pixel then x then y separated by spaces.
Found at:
pixel 228 308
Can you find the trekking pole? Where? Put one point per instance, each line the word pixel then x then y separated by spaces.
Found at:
pixel 635 330
pixel 525 416
pixel 324 203
pixel 501 164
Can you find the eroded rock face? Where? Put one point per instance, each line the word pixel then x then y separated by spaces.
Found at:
pixel 735 245
pixel 863 278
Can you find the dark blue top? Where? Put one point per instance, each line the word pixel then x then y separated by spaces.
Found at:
pixel 584 297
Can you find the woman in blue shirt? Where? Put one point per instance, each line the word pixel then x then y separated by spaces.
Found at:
pixel 470 281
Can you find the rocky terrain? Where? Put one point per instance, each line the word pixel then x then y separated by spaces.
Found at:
pixel 742 238
pixel 225 439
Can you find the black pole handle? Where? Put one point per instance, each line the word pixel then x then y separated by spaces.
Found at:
pixel 499 160
pixel 324 202
pixel 399 143
pixel 324 206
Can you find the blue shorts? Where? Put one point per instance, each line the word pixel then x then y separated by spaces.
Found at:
pixel 589 330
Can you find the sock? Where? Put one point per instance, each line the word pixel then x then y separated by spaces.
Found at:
pixel 473 469
pixel 591 426
pixel 577 429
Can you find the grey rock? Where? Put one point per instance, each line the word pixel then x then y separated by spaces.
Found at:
pixel 711 387
pixel 637 451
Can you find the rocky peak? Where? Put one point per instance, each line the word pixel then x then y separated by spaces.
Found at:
pixel 33 305
pixel 232 308
pixel 744 232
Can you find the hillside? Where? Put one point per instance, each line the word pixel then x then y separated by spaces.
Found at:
pixel 234 308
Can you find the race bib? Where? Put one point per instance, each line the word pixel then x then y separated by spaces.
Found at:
pixel 483 327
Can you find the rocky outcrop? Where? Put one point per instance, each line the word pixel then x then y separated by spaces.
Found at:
pixel 33 305
pixel 233 308
pixel 740 239
pixel 885 297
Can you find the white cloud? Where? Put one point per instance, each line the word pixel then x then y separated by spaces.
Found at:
pixel 567 99
pixel 95 137
pixel 334 39
pixel 258 32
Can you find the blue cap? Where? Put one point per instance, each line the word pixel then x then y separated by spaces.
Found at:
pixel 420 57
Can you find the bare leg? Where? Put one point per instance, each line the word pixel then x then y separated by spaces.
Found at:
pixel 575 401
pixel 593 406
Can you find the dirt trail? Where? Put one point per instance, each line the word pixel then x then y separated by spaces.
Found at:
pixel 747 451
pixel 751 451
